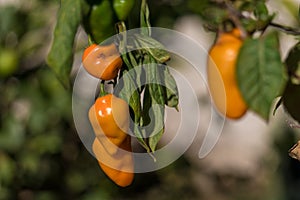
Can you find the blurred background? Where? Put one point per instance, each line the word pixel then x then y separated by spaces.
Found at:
pixel 42 157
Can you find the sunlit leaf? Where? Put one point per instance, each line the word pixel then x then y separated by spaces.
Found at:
pixel 155 48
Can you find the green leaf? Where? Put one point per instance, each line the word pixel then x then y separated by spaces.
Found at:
pixel 172 95
pixel 12 20
pixel 212 14
pixel 157 94
pixel 137 70
pixel 299 12
pixel 246 6
pixel 210 11
pixel 155 48
pixel 127 90
pixel 144 18
pixel 147 103
pixel 291 100
pixel 261 10
pixel 153 140
pixel 8 169
pixel 293 63
pixel 60 57
pixel 260 73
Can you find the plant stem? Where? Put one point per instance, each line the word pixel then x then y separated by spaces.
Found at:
pixel 102 89
pixel 235 17
pixel 286 29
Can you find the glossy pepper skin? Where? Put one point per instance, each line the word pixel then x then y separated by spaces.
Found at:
pixel 123 8
pixel 109 117
pixel 100 23
pixel 103 62
pixel 221 71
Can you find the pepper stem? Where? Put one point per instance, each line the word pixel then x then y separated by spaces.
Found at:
pixel 90 40
pixel 102 89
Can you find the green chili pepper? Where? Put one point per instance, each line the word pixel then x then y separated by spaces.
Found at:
pixel 101 21
pixel 123 8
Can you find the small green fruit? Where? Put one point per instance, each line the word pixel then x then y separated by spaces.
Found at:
pixel 8 62
pixel 123 8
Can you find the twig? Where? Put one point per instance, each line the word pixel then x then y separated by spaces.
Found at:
pixel 286 29
pixel 235 15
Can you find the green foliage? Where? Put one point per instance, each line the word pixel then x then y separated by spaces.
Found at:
pixel 210 11
pixel 7 169
pixel 147 81
pixel 291 100
pixel 153 47
pixel 293 64
pixel 60 57
pixel 10 16
pixel 157 95
pixel 39 147
pixel 41 156
pixel 261 76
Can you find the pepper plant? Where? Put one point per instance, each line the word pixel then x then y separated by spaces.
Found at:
pixel 259 71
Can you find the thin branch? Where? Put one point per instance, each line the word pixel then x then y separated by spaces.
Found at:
pixel 286 29
pixel 235 17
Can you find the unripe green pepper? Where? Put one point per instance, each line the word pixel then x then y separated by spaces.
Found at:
pixel 123 8
pixel 101 21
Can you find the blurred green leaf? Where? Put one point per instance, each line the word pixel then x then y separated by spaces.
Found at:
pixel 7 169
pixel 5 193
pixel 95 194
pixel 46 143
pixel 60 57
pixel 261 10
pixel 291 100
pixel 12 134
pixel 12 20
pixel 293 63
pixel 46 195
pixel 212 14
pixel 29 162
pixel 299 12
pixel 260 73
pixel 245 5
pixel 76 181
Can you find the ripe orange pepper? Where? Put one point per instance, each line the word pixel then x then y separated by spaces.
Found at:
pixel 109 117
pixel 102 62
pixel 221 69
